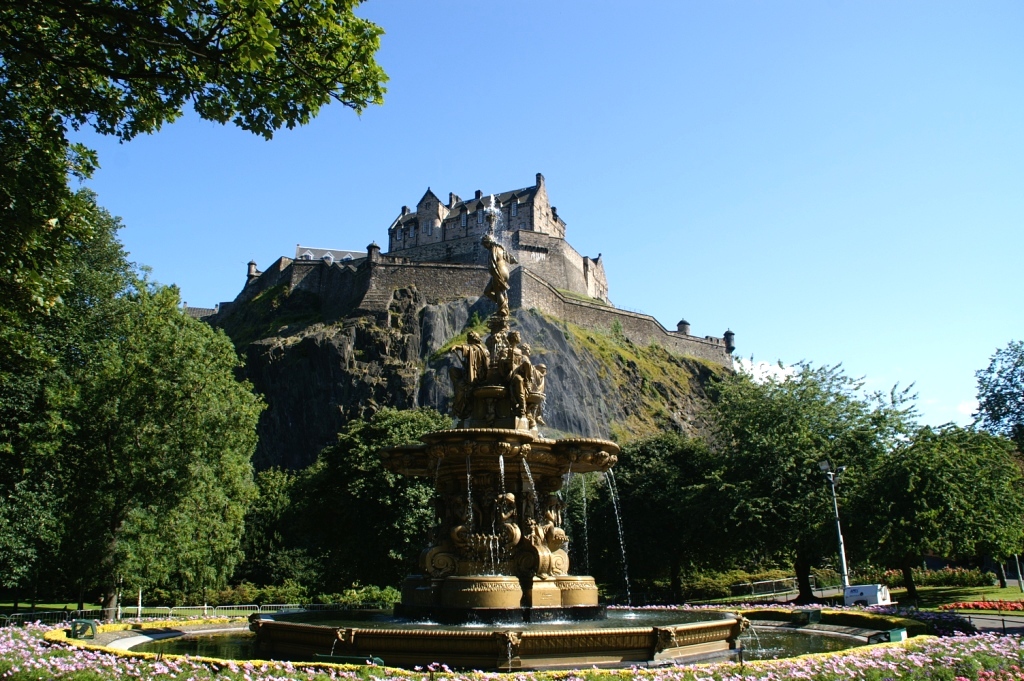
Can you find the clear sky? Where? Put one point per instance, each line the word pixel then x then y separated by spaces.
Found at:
pixel 834 181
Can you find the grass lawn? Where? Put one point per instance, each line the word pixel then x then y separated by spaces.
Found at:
pixel 930 597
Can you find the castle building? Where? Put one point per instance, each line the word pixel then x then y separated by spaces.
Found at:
pixel 436 249
pixel 527 225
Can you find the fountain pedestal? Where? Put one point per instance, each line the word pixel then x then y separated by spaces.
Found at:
pixel 498 550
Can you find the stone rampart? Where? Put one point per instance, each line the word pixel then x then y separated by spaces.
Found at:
pixel 369 285
pixel 529 291
pixel 435 282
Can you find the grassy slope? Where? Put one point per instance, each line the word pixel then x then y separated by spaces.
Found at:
pixel 649 379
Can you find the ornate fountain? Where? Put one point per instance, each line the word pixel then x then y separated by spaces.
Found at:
pixel 497 553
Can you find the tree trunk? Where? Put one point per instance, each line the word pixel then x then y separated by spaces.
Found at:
pixel 16 599
pixel 1001 573
pixel 81 595
pixel 802 567
pixel 108 601
pixel 907 566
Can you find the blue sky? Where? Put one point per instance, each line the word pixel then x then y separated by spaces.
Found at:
pixel 835 182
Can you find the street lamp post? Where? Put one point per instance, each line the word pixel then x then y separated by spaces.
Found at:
pixel 833 479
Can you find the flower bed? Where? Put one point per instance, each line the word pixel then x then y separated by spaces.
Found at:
pixel 26 656
pixel 1004 606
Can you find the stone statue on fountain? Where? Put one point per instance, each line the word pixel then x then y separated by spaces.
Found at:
pixel 475 362
pixel 497 289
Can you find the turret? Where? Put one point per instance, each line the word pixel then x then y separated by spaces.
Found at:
pixel 730 341
pixel 373 252
pixel 683 327
pixel 252 273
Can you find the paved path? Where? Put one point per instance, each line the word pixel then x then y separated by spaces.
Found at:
pixel 997 624
pixel 123 640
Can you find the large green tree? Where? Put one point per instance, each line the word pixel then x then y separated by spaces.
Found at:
pixel 125 449
pixel 363 523
pixel 159 465
pixel 670 508
pixel 37 393
pixel 951 492
pixel 274 554
pixel 125 68
pixel 773 434
pixel 1001 393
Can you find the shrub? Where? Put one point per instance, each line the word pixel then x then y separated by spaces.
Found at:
pixel 947 576
pixel 363 597
pixel 826 577
pixel 712 585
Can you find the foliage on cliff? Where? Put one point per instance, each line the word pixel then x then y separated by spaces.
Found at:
pixel 272 312
pixel 318 375
pixel 647 389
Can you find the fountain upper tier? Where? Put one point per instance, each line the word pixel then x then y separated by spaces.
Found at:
pixel 446 451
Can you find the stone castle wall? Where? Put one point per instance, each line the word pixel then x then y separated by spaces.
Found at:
pixel 435 282
pixel 530 292
pixel 369 285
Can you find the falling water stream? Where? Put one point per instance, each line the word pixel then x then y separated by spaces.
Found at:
pixel 531 490
pixel 469 494
pixel 501 507
pixel 614 490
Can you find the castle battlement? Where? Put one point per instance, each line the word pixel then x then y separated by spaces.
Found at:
pixel 527 226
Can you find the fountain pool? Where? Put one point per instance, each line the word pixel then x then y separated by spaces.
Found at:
pixel 756 643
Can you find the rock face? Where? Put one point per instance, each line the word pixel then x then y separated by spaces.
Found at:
pixel 316 376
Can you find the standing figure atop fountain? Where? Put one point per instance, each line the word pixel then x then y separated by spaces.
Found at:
pixel 475 360
pixel 497 288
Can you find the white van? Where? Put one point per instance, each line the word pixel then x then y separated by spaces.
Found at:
pixel 867 594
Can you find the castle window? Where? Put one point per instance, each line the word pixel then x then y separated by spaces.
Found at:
pixel 479 216
pixel 412 231
pixel 464 218
pixel 398 234
pixel 515 208
pixel 328 258
pixel 430 228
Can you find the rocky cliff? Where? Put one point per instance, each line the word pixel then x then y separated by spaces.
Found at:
pixel 316 374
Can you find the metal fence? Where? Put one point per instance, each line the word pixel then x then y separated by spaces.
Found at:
pixel 152 612
pixel 767 591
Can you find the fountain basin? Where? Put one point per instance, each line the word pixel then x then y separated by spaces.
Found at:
pixel 504 648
